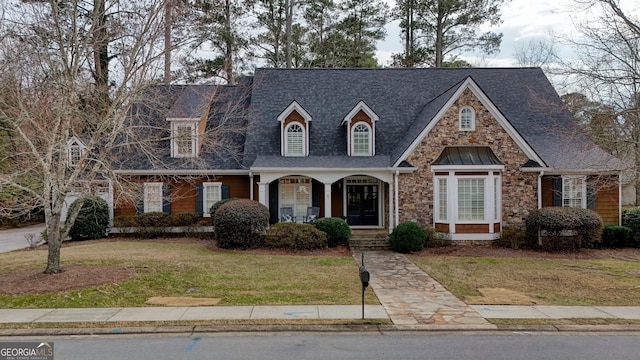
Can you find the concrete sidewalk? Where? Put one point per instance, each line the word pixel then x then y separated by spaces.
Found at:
pixel 147 314
pixel 288 312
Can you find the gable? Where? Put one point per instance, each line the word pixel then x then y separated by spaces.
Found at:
pixel 468 94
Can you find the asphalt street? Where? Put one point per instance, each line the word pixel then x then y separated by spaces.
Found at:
pixel 14 239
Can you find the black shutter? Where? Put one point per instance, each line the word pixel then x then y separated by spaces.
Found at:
pixel 225 191
pixel 166 198
pixel 140 200
pixel 591 195
pixel 557 191
pixel 199 200
pixel 317 190
pixel 273 202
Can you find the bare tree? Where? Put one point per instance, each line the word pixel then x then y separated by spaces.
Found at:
pixel 607 69
pixel 53 89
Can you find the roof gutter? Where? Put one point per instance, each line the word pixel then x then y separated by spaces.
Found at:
pixel 182 172
pixel 552 171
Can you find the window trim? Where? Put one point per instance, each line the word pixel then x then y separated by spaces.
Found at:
pixel 286 139
pixel 492 197
pixel 74 143
pixel 205 185
pixel 148 187
pixel 472 121
pixel 369 139
pixel 175 125
pixel 583 189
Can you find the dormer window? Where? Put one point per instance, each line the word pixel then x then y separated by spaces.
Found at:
pixel 75 150
pixel 467 119
pixel 184 139
pixel 295 140
pixel 361 143
pixel 294 130
pixel 361 130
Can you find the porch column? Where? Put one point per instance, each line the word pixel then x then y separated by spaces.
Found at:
pixel 263 195
pixel 327 200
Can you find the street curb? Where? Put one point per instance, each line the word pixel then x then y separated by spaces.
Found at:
pixel 381 329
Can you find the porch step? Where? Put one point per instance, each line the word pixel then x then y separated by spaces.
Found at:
pixel 369 239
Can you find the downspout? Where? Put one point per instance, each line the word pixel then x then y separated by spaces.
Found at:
pixel 250 185
pixel 619 200
pixel 540 189
pixel 395 185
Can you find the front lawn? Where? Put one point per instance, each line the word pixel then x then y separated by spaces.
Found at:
pixel 591 277
pixel 169 269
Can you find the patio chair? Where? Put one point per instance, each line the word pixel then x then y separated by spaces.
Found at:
pixel 286 215
pixel 313 213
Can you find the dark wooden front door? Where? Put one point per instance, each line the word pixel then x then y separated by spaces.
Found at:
pixel 362 205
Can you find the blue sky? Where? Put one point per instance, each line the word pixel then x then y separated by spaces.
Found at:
pixel 523 20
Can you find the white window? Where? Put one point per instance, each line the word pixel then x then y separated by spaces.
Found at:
pixel 153 197
pixel 361 140
pixel 295 193
pixel 184 141
pixel 442 200
pixel 467 119
pixel 75 154
pixel 574 189
pixel 471 199
pixel 295 140
pixel 211 194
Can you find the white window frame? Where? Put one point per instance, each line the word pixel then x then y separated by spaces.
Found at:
pixel 153 189
pixel 484 219
pixel 569 182
pixel 287 151
pixel 206 202
pixel 451 215
pixel 471 126
pixel 369 139
pixel 175 147
pixel 302 188
pixel 72 145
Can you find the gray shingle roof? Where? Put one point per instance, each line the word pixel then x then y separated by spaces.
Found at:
pixel 406 100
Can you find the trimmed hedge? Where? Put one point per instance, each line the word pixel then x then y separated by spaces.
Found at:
pixel 567 228
pixel 407 237
pixel 337 230
pixel 616 236
pixel 295 237
pixel 241 224
pixel 92 220
pixel 216 206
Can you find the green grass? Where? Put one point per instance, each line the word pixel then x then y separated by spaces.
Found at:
pixel 166 269
pixel 613 282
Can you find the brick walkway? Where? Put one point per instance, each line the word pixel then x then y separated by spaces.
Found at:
pixel 410 296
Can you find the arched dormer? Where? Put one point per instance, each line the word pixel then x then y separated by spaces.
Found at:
pixel 75 151
pixel 361 130
pixel 294 130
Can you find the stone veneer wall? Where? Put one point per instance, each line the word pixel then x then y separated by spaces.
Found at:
pixel 416 189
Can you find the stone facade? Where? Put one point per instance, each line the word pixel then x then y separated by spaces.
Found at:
pixel 519 189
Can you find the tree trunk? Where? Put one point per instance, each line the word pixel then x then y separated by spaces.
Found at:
pixel 54 242
pixel 167 42
pixel 229 44
pixel 288 4
pixel 636 153
pixel 439 36
pixel 101 53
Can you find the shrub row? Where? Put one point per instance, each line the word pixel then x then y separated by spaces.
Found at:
pixel 159 219
pixel 295 237
pixel 564 228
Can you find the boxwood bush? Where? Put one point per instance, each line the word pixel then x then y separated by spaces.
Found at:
pixel 295 237
pixel 631 219
pixel 337 230
pixel 92 220
pixel 566 228
pixel 241 224
pixel 216 206
pixel 616 236
pixel 407 237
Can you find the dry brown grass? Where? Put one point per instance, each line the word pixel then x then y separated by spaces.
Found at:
pixel 587 278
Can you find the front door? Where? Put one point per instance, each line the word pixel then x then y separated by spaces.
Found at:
pixel 362 204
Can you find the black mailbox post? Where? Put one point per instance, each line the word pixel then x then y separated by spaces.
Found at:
pixel 364 279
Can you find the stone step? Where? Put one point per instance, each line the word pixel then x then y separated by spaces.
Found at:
pixel 369 240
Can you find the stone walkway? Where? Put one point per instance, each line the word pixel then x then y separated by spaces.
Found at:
pixel 410 296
